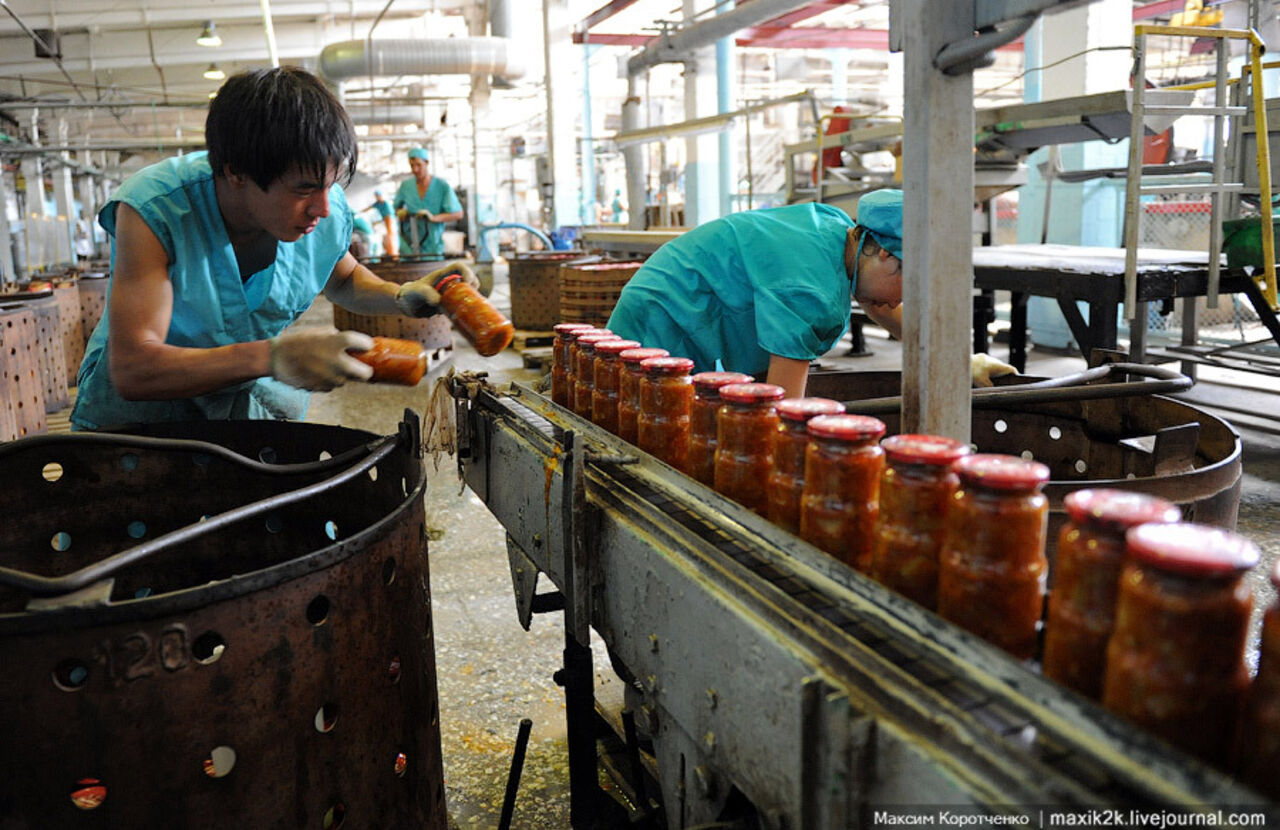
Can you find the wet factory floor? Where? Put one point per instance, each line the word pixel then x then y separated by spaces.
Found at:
pixel 492 673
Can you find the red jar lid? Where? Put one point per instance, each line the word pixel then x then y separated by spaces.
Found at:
pixel 589 341
pixel 711 381
pixel 1001 472
pixel 615 347
pixel 1191 549
pixel 1118 510
pixel 935 450
pixel 666 365
pixel 751 392
pixel 606 266
pixel 563 329
pixel 446 281
pixel 802 409
pixel 638 355
pixel 846 427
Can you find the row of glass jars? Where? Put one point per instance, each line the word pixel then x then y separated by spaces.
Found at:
pixel 1154 625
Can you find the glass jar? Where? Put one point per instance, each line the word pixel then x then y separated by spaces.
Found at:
pixel 1260 732
pixel 702 422
pixel 482 324
pixel 584 370
pixel 841 497
pixel 1175 662
pixel 1086 578
pixel 992 570
pixel 395 361
pixel 571 370
pixel 604 389
pixel 565 334
pixel 785 484
pixel 666 393
pixel 916 491
pixel 745 425
pixel 629 389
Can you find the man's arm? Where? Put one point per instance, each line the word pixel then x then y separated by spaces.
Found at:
pixel 142 366
pixel 356 288
pixel 789 373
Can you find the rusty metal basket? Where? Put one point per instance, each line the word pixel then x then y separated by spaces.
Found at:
pixel 93 299
pixel 535 286
pixel 233 631
pixel 435 333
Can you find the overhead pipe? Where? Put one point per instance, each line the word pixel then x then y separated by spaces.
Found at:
pixel 675 46
pixel 502 25
pixel 438 56
pixel 381 114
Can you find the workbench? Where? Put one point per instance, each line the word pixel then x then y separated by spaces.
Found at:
pixel 1071 273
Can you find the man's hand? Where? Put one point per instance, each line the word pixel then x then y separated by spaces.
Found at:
pixel 420 298
pixel 984 367
pixel 317 360
pixel 426 214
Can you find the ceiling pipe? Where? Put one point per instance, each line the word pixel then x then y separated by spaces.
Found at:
pixel 371 114
pixel 502 24
pixel 673 46
pixel 438 56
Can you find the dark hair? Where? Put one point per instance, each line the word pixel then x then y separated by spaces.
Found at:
pixel 265 121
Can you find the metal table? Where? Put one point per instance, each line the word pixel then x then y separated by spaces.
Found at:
pixel 1070 273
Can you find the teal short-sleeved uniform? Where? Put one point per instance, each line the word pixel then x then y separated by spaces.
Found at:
pixel 744 287
pixel 212 306
pixel 383 207
pixel 439 198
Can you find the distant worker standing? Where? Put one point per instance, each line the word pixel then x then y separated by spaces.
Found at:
pixel 617 207
pixel 424 204
pixel 385 216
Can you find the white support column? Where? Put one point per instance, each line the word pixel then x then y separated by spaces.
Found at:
pixel 8 266
pixel 635 156
pixel 702 175
pixel 937 252
pixel 64 198
pixel 561 65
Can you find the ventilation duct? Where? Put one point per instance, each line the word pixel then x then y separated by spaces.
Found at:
pixel 382 114
pixel 441 56
pixel 501 24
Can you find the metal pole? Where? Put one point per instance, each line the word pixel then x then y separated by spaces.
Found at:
pixel 938 122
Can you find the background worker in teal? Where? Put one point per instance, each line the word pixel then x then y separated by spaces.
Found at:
pixel 390 238
pixel 214 255
pixel 767 291
pixel 428 199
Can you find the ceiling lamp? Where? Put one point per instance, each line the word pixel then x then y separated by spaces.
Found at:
pixel 209 37
pixel 213 73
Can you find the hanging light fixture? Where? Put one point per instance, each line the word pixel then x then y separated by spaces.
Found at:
pixel 213 73
pixel 209 37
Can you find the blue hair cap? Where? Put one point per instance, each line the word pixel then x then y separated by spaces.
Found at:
pixel 418 153
pixel 880 212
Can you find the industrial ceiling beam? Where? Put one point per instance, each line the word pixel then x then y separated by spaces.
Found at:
pixel 105 16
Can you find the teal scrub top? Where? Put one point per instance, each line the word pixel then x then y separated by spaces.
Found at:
pixel 744 287
pixel 439 198
pixel 384 208
pixel 212 306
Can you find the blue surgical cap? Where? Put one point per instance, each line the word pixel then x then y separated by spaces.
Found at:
pixel 880 212
pixel 418 153
pixel 377 193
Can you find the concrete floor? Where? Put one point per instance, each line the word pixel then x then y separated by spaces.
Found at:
pixel 491 673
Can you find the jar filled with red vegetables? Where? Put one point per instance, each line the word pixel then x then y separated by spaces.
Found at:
pixel 604 391
pixel 662 425
pixel 629 389
pixel 560 383
pixel 786 480
pixel 1086 578
pixel 1176 660
pixel 992 571
pixel 916 491
pixel 483 325
pixel 584 370
pixel 841 496
pixel 702 422
pixel 745 425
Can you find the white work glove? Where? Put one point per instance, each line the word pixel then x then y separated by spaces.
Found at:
pixel 420 298
pixel 984 367
pixel 316 359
